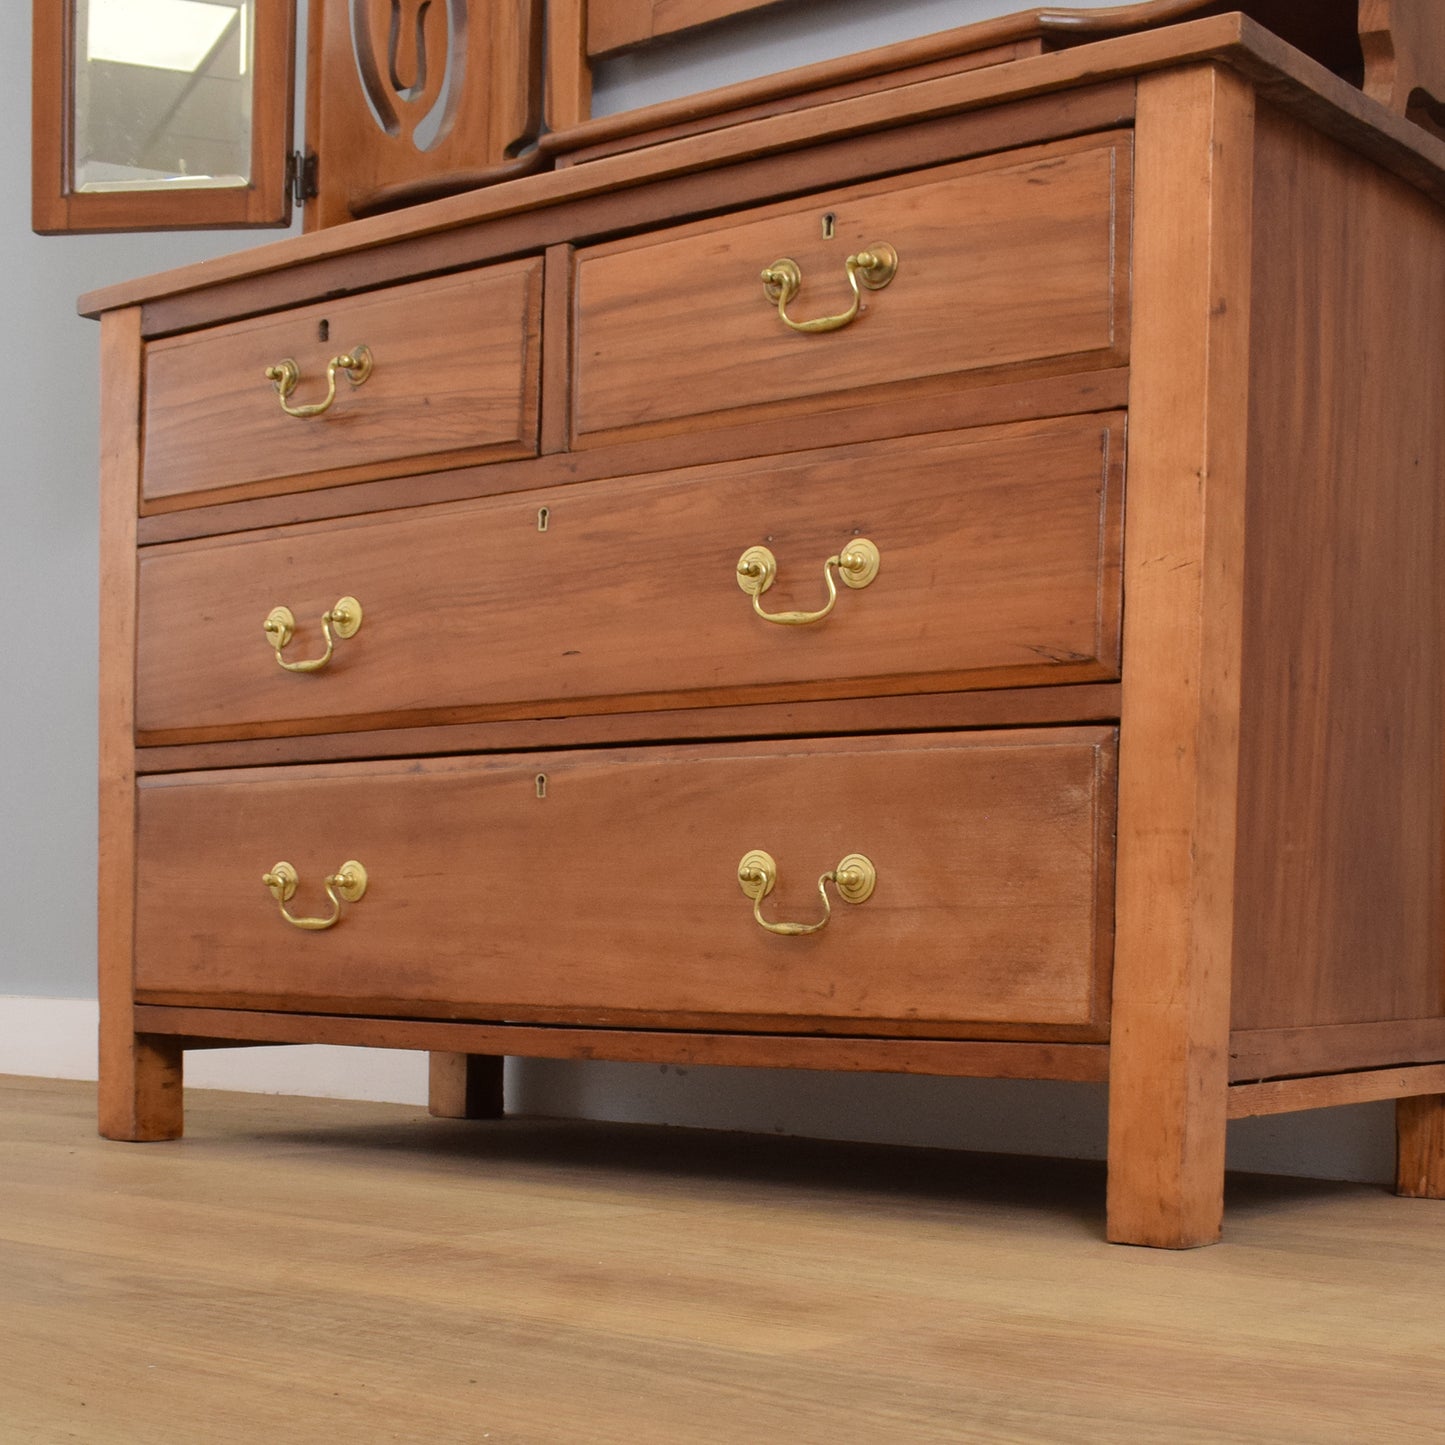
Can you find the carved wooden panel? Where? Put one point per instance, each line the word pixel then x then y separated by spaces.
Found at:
pixel 410 99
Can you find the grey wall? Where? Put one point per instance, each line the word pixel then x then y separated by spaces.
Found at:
pixel 48 588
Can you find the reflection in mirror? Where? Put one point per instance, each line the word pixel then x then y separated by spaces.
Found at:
pixel 163 94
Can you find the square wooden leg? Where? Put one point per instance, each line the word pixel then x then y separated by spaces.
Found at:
pixel 141 1093
pixel 465 1086
pixel 1420 1147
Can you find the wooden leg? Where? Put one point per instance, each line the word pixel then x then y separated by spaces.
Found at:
pixel 141 1095
pixel 1179 729
pixel 1420 1147
pixel 466 1086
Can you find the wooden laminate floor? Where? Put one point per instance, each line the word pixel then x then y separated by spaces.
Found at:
pixel 303 1270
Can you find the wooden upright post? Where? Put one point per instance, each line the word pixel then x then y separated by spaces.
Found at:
pixel 1178 743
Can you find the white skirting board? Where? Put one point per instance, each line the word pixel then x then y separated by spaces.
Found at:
pixel 55 1039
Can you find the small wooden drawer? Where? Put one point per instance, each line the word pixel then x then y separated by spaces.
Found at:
pixel 1017 261
pixel 603 887
pixel 998 565
pixel 453 380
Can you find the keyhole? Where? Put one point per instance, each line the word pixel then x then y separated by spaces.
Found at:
pixel 544 516
pixel 541 781
pixel 323 331
pixel 830 223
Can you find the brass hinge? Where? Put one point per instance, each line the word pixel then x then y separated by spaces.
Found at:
pixel 301 176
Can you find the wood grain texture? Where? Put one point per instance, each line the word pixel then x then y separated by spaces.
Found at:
pixel 616 889
pixel 1002 262
pixel 326 1269
pixel 1070 394
pixel 1184 536
pixel 866 73
pixel 454 379
pixel 445 109
pixel 464 1086
pixel 999 565
pixel 1314 1048
pixel 199 1026
pixel 638 198
pixel 1420 1147
pixel 926 712
pixel 140 1077
pixel 1342 780
pixel 57 207
pixel 567 92
pixel 1325 1091
pixel 1404 45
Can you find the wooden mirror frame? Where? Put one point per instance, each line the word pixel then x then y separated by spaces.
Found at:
pixel 56 208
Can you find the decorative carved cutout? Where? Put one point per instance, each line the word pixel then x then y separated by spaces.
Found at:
pixel 1404 45
pixel 411 59
pixel 410 99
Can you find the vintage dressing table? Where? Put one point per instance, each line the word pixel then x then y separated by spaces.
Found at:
pixel 929 563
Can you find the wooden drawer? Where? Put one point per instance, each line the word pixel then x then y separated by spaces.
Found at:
pixel 1015 261
pixel 454 380
pixel 609 892
pixel 998 565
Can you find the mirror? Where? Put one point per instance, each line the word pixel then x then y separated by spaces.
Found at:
pixel 139 105
pixel 163 94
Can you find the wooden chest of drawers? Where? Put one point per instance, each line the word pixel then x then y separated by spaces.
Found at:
pixel 1005 638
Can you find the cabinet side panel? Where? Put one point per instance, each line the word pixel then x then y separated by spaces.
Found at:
pixel 1342 789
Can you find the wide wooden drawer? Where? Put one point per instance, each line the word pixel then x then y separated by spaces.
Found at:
pixel 604 886
pixel 1006 263
pixel 998 564
pixel 454 380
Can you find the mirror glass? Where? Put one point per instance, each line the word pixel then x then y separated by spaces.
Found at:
pixel 163 94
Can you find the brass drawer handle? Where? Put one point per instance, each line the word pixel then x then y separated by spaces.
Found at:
pixel 857 565
pixel 873 268
pixel 280 624
pixel 347 884
pixel 285 376
pixel 854 878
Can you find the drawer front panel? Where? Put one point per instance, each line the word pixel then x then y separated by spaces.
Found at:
pixel 998 565
pixel 454 380
pixel 1002 263
pixel 604 886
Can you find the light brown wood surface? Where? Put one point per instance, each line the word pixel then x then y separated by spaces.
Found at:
pixel 999 564
pixel 464 1086
pixel 589 883
pixel 1404 45
pixel 1001 262
pixel 673 1040
pixel 1341 917
pixel 999 403
pixel 141 1078
pixel 1179 730
pixel 1420 1158
pixel 1284 1096
pixel 314 1270
pixel 434 107
pixel 925 712
pixel 454 379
